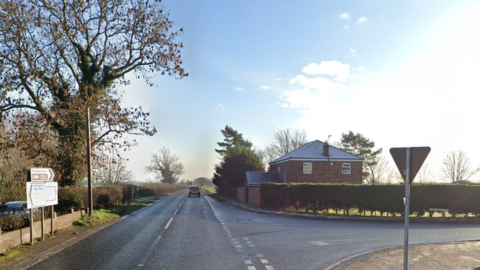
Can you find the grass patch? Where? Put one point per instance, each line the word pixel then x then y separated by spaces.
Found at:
pixel 9 255
pixel 100 217
pixel 210 189
pixel 103 216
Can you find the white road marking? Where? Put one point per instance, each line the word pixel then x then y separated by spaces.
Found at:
pixel 269 267
pixel 124 217
pixel 168 224
pixel 248 262
pixel 149 253
pixel 238 246
pixel 259 255
pixel 252 246
pixel 175 212
pixel 263 261
pixel 252 268
pixel 319 243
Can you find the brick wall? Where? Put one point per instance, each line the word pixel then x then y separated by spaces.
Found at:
pixel 254 196
pixel 241 194
pixel 322 172
pixel 15 238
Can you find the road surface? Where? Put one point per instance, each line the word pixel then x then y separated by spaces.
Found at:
pixel 181 232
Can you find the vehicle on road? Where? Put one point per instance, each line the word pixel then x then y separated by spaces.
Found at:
pixel 194 190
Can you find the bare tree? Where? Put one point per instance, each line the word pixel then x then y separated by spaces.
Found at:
pixel 112 170
pixel 378 171
pixel 456 166
pixel 393 176
pixel 166 166
pixel 284 141
pixel 425 175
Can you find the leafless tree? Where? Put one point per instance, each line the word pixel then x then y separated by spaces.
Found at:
pixel 378 171
pixel 166 166
pixel 424 175
pixel 456 166
pixel 112 170
pixel 284 141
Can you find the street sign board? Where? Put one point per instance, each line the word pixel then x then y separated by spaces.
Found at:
pixel 418 156
pixel 41 174
pixel 41 194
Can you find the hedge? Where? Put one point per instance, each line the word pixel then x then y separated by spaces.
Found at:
pixel 459 199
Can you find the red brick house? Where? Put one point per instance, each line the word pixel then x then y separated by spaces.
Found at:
pixel 314 162
pixel 318 162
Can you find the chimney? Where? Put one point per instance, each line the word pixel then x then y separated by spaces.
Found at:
pixel 325 149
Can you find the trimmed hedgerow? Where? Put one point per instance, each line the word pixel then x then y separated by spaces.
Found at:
pixel 377 199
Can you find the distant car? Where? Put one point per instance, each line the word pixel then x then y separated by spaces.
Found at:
pixel 194 190
pixel 17 208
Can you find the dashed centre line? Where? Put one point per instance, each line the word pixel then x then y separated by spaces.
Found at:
pixel 238 246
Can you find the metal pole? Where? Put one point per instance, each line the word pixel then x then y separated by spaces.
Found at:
pixel 407 206
pixel 43 220
pixel 31 226
pixel 89 154
pixel 51 222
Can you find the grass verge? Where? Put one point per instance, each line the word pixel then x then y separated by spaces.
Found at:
pixel 103 216
pixel 9 255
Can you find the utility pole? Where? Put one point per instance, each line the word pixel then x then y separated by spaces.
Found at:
pixel 89 162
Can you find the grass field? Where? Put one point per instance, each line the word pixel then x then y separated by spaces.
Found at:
pixel 209 189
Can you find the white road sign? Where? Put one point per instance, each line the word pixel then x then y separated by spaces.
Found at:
pixel 41 174
pixel 41 194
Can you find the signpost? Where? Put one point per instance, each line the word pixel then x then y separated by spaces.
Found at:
pixel 41 192
pixel 41 174
pixel 409 160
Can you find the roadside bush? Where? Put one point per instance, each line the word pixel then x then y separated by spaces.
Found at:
pixel 277 197
pixel 461 200
pixel 159 189
pixel 106 196
pixel 12 223
pixel 129 192
pixel 67 199
pixel 145 192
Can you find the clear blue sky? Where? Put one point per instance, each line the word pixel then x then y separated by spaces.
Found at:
pixel 403 73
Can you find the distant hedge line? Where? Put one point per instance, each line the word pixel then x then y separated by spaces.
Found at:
pixel 107 196
pixel 459 199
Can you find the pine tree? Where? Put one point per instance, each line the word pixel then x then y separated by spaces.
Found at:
pixel 231 139
pixel 359 145
pixel 237 158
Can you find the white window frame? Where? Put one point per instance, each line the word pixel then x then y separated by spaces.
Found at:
pixel 346 168
pixel 307 165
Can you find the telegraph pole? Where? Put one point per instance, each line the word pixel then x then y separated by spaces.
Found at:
pixel 89 163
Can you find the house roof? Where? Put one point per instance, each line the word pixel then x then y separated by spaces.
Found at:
pixel 314 151
pixel 257 178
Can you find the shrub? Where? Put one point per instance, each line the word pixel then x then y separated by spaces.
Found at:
pixel 129 192
pixel 159 189
pixel 67 199
pixel 146 192
pixel 106 196
pixel 12 223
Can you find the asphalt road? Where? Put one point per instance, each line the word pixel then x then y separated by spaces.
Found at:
pixel 179 232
